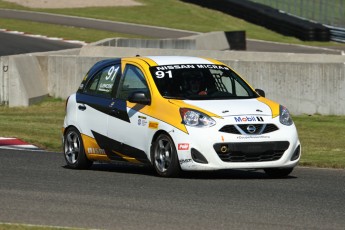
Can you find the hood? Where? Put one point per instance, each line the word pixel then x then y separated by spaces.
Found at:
pixel 224 108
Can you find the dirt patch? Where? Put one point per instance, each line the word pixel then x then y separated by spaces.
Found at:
pixel 73 3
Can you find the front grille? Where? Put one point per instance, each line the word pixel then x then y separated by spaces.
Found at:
pixel 251 152
pixel 243 129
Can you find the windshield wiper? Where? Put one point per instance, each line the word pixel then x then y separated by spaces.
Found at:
pixel 177 98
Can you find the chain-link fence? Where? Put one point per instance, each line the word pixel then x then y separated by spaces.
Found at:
pixel 328 12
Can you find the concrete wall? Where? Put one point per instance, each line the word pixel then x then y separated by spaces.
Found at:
pixel 305 88
pixel 218 40
pixel 305 83
pixel 27 83
pixel 148 43
pixel 65 73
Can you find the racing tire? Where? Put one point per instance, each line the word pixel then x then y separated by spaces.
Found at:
pixel 278 172
pixel 73 149
pixel 164 157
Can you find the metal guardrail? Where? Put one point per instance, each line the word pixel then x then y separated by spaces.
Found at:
pixel 336 33
pixel 270 18
pixel 327 12
pixel 330 13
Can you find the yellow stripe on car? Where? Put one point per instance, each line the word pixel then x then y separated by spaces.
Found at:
pixel 273 106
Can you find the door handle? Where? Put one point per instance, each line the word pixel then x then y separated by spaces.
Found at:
pixel 82 107
pixel 114 112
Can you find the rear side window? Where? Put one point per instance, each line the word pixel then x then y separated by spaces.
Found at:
pixel 103 81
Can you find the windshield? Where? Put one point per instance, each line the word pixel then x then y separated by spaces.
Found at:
pixel 200 82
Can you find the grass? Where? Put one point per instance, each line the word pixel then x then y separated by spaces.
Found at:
pixel 5 226
pixel 173 14
pixel 66 32
pixel 321 136
pixel 322 139
pixel 38 124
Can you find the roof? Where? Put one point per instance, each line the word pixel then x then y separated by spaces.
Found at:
pixel 176 60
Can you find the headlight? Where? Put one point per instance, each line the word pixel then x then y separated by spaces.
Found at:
pixel 195 118
pixel 284 116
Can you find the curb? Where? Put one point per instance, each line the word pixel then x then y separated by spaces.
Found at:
pixel 15 143
pixel 43 37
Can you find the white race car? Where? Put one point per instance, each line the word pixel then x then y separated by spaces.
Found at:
pixel 176 113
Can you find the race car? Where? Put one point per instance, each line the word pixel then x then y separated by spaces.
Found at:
pixel 176 113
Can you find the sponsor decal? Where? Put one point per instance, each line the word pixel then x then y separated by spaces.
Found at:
pixel 96 151
pixel 168 67
pixel 201 66
pixel 183 146
pixel 153 125
pixel 105 87
pixel 212 67
pixel 248 119
pixel 183 161
pixel 142 121
pixel 165 71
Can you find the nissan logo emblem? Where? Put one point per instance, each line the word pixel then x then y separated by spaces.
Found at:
pixel 251 129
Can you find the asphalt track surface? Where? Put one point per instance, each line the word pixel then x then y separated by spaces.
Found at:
pixel 12 44
pixel 36 188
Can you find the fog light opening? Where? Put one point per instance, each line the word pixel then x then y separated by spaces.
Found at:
pixel 198 157
pixel 296 154
pixel 224 149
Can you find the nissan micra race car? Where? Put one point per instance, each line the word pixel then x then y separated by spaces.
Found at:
pixel 176 113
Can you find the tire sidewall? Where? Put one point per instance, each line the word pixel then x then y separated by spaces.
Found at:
pixel 82 162
pixel 174 168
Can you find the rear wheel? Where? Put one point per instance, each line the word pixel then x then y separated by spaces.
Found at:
pixel 164 157
pixel 74 150
pixel 278 172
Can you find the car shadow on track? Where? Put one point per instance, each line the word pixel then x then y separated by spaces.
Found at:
pixel 147 170
pixel 233 174
pixel 124 168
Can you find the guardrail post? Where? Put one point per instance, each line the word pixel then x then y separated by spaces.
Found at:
pixel 4 80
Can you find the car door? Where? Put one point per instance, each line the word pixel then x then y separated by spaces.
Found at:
pixel 93 102
pixel 127 127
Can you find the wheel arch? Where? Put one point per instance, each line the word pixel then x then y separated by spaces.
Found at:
pixel 67 128
pixel 154 138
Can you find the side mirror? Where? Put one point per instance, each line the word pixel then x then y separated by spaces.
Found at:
pixel 260 92
pixel 140 98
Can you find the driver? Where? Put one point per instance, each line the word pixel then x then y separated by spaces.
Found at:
pixel 195 83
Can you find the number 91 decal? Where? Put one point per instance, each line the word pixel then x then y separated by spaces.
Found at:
pixel 112 73
pixel 162 74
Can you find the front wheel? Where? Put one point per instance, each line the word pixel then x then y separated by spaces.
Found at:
pixel 164 157
pixel 278 172
pixel 74 150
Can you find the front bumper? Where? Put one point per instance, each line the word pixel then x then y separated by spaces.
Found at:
pixel 210 149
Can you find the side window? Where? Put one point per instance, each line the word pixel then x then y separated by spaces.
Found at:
pixel 132 80
pixel 102 82
pixel 230 83
pixel 240 91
